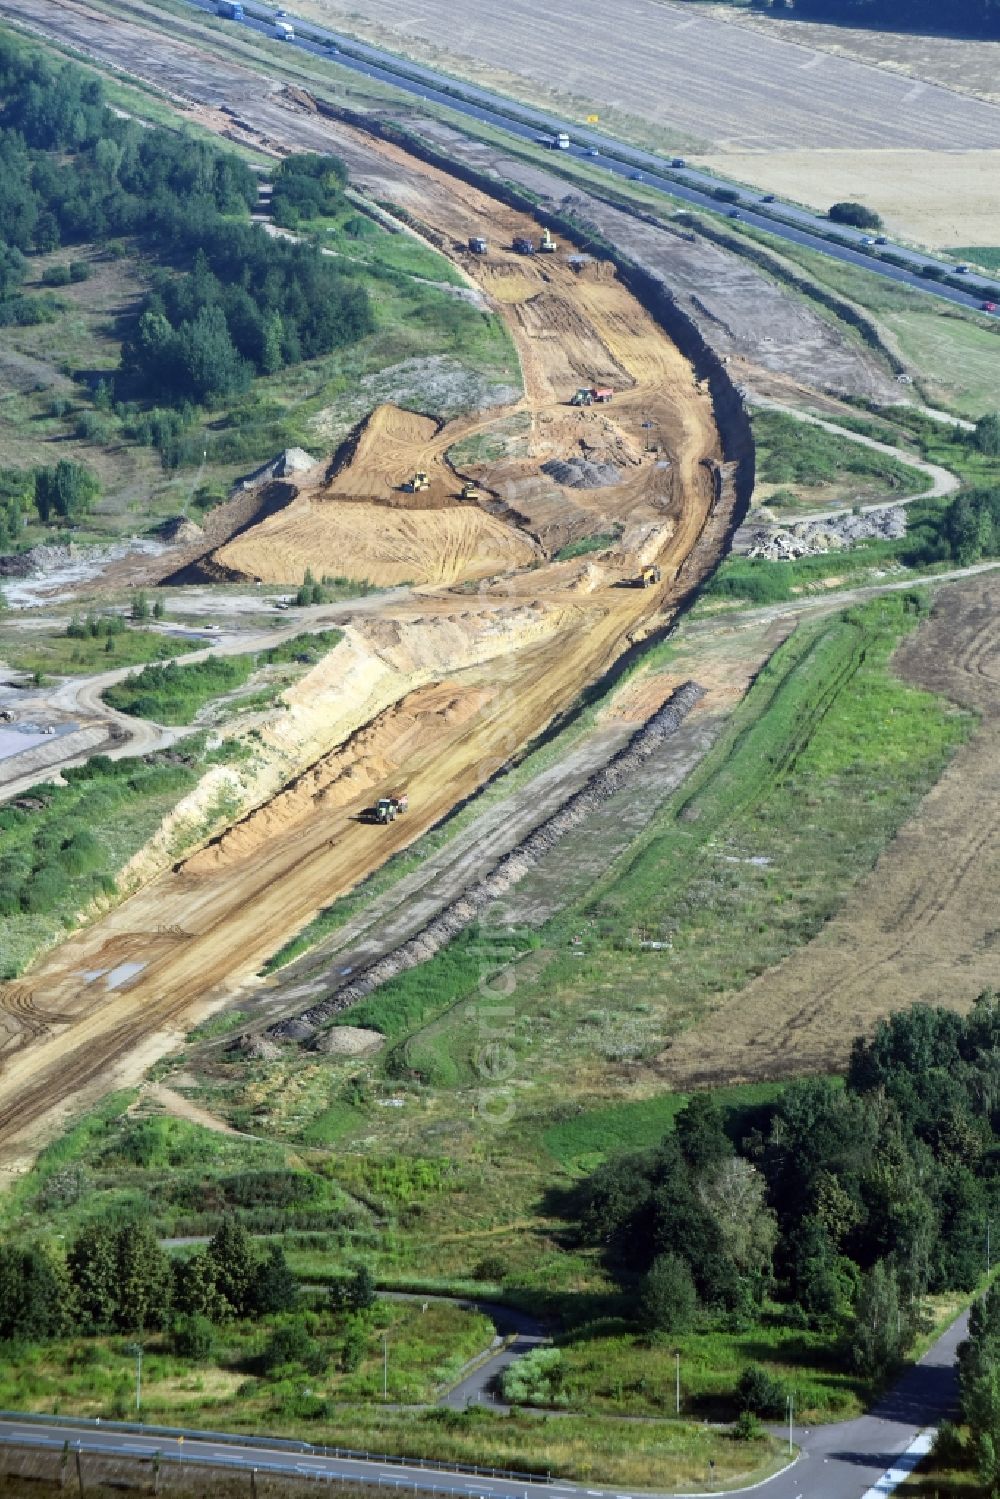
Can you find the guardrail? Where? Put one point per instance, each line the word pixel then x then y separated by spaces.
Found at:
pixel 274 1444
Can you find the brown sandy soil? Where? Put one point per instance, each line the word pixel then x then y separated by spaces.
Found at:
pixel 938 198
pixel 361 522
pixel 923 927
pixel 460 680
pixel 693 72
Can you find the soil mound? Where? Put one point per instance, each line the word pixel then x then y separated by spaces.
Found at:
pixel 377 544
pixel 369 523
pixel 581 473
pixel 179 528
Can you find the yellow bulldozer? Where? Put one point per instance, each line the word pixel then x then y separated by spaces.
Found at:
pixel 649 576
pixel 469 492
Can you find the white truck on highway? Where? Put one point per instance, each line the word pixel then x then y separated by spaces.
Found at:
pixel 560 142
pixel 284 31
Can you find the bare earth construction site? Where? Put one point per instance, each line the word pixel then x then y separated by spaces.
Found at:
pixel 436 691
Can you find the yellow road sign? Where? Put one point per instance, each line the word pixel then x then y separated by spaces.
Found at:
pixel 592 119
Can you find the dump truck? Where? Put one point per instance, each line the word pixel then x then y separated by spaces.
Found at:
pixel 649 576
pixel 469 492
pixel 592 395
pixel 418 483
pixel 523 246
pixel 229 10
pixel 547 245
pixel 478 245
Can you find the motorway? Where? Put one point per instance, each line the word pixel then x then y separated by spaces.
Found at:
pixel 786 221
pixel 861 1459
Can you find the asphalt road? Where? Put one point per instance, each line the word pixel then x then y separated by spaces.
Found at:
pixel 795 224
pixel 844 1461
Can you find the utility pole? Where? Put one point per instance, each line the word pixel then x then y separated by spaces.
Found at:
pixel 677 1390
pixel 791 1419
pixel 385 1367
pixel 136 1351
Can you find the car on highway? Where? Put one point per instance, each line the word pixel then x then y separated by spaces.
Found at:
pixel 592 151
pixel 961 270
pixel 678 161
pixel 880 239
pixel 637 177
pixel 733 213
pixel 988 306
pixel 767 198
pixel 866 239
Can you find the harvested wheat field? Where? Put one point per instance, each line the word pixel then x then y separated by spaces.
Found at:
pixel 923 927
pixel 676 67
pixel 938 198
pixel 434 692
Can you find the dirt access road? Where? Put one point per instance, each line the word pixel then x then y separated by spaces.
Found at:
pixel 470 677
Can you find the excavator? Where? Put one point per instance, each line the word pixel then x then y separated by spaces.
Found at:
pixel 547 245
pixel 649 576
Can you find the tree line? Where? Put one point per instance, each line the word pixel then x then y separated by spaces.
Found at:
pixel 64 491
pixel 118 1278
pixel 230 302
pixel 846 1203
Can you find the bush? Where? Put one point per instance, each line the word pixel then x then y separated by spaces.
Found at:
pixel 193 1338
pixel 856 214
pixel 535 1379
pixel 747 1428
pixel 668 1301
pixel 291 1343
pixel 56 275
pixel 759 1393
pixel 491 1267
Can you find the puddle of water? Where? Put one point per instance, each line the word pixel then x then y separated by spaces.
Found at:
pixel 90 974
pixel 123 973
pixel 16 741
pixel 18 738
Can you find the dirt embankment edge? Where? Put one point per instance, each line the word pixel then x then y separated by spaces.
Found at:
pixel 505 873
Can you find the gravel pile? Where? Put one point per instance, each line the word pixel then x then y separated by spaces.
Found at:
pixel 811 538
pixel 599 788
pixel 580 473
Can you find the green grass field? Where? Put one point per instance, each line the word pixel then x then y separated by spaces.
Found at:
pixel 62 847
pixel 61 655
pixel 176 694
pixel 790 452
pixel 956 356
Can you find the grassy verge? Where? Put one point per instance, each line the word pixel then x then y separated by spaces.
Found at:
pixel 175 694
pixel 795 453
